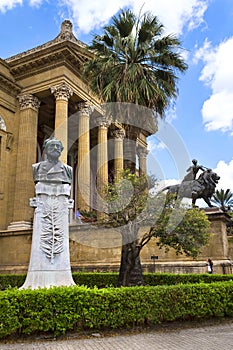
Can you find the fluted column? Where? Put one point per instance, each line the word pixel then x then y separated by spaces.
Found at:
pixel 118 153
pixel 26 156
pixel 103 123
pixel 142 155
pixel 130 142
pixel 62 93
pixel 84 173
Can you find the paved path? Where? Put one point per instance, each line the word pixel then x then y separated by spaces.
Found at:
pixel 208 337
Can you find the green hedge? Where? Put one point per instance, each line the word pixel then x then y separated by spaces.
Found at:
pixel 107 279
pixel 170 278
pixel 77 308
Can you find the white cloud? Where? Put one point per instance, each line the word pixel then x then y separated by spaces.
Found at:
pixel 9 4
pixel 153 144
pixel 92 14
pixel 35 3
pixel 175 15
pixel 6 5
pixel 225 171
pixel 217 73
pixel 217 111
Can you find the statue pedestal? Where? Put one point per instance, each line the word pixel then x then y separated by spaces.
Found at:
pixel 50 257
pixel 218 245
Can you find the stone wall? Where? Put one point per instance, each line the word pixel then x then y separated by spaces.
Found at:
pixel 96 249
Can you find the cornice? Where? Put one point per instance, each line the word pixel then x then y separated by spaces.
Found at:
pixel 9 86
pixel 63 54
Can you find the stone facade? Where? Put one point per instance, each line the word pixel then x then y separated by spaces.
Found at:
pixel 95 249
pixel 43 94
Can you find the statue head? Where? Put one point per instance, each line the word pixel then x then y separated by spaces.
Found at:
pixel 52 148
pixel 194 161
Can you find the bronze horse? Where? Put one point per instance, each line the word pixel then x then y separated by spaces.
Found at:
pixel 203 187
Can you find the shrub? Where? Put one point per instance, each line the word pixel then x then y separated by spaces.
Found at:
pixel 76 308
pixel 109 279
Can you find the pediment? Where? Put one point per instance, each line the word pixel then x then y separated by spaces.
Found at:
pixel 65 49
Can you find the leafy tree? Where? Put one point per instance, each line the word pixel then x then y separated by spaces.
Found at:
pixel 131 207
pixel 223 199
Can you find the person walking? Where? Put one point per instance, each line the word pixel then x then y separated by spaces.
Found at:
pixel 209 266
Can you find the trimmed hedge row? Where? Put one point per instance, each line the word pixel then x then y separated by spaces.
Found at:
pixel 61 309
pixel 107 279
pixel 171 278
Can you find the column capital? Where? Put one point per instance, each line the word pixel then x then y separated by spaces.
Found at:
pixel 62 91
pixel 118 134
pixel 102 121
pixel 142 152
pixel 84 108
pixel 29 101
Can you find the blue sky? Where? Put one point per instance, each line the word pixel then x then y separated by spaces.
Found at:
pixel 200 123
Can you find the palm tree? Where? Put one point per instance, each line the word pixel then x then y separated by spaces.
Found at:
pixel 133 62
pixel 223 199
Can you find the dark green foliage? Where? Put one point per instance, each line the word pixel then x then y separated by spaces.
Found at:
pixel 7 281
pixel 223 199
pixel 98 279
pixel 79 308
pixel 155 279
pixel 109 279
pixel 9 312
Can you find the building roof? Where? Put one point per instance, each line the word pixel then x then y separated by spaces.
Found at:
pixel 66 34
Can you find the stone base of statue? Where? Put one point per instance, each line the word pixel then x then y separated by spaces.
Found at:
pixel 50 257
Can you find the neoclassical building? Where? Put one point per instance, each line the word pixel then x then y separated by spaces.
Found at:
pixel 44 94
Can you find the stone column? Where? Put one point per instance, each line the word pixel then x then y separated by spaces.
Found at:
pixel 102 163
pixel 118 153
pixel 26 156
pixel 84 173
pixel 62 93
pixel 142 155
pixel 130 143
pixel 6 139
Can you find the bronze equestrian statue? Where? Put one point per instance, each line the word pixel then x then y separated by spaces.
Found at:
pixel 202 187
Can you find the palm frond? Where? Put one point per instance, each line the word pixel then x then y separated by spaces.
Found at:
pixel 134 62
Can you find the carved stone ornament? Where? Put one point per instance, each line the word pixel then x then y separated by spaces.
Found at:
pixel 84 108
pixel 52 226
pixel 142 152
pixel 62 91
pixel 103 121
pixel 118 134
pixel 66 30
pixel 29 101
